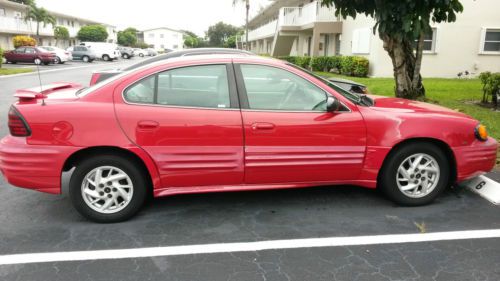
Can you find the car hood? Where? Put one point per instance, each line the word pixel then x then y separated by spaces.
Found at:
pixel 398 105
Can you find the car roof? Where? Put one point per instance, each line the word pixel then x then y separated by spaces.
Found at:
pixel 188 53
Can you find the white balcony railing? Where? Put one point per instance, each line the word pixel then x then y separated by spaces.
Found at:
pixel 19 25
pixel 309 13
pixel 266 30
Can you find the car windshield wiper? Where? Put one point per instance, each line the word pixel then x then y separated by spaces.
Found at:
pixel 365 100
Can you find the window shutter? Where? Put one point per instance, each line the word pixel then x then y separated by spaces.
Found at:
pixel 482 39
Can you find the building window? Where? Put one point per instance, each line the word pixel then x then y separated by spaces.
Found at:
pixel 429 41
pixel 162 46
pixel 361 41
pixel 490 41
pixel 18 15
pixel 151 35
pixel 175 46
pixel 2 12
pixel 162 35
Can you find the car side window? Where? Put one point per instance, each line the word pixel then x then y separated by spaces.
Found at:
pixel 194 86
pixel 271 88
pixel 30 51
pixel 20 50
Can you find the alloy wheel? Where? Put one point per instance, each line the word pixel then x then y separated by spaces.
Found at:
pixel 418 175
pixel 107 189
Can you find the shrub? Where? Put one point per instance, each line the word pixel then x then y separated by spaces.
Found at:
pixel 1 57
pixel 21 40
pixel 347 65
pixel 303 61
pixel 491 86
pixel 320 63
pixel 290 59
pixel 360 67
pixel 92 33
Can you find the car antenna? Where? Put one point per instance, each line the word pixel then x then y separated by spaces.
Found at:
pixel 40 81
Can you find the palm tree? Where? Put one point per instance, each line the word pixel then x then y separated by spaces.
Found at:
pixel 39 15
pixel 247 4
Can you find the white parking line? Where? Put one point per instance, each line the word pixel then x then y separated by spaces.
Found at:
pixel 246 246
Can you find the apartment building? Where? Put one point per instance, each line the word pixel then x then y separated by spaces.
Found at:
pixel 12 23
pixel 163 38
pixel 305 28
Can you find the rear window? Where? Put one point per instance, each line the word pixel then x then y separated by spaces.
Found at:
pixel 203 86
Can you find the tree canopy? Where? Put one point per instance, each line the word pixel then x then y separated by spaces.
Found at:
pixel 219 34
pixel 92 33
pixel 399 24
pixel 39 15
pixel 61 33
pixel 127 37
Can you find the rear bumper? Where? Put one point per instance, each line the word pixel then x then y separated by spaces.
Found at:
pixel 34 167
pixel 476 159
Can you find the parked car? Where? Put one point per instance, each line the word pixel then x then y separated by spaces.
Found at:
pixel 102 75
pixel 81 53
pixel 34 55
pixel 151 52
pixel 126 52
pixel 229 123
pixel 104 51
pixel 62 56
pixel 141 52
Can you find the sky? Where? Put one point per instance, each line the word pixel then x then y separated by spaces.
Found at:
pixel 192 15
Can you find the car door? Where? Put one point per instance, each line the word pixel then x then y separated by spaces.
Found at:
pixel 289 136
pixel 17 55
pixel 188 120
pixel 77 52
pixel 29 54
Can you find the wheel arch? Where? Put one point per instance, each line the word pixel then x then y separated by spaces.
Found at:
pixel 437 142
pixel 138 156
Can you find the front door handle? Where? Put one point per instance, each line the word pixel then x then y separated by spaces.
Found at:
pixel 148 125
pixel 262 126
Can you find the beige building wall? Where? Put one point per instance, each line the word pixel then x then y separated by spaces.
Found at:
pixel 457 45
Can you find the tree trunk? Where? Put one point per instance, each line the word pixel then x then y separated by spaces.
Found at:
pixel 406 67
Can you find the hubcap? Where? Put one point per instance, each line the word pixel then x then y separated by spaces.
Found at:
pixel 418 175
pixel 107 189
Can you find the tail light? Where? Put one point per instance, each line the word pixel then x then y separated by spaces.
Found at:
pixel 17 125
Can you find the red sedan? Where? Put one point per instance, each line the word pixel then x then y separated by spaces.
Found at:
pixel 30 54
pixel 230 123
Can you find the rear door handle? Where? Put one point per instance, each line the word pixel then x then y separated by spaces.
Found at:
pixel 148 125
pixel 263 126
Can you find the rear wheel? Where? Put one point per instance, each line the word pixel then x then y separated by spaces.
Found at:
pixel 105 58
pixel 125 56
pixel 37 61
pixel 415 174
pixel 58 60
pixel 141 55
pixel 107 188
pixel 85 59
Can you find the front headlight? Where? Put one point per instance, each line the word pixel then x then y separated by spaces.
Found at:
pixel 481 133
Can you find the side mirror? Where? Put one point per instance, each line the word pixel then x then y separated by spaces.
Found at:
pixel 332 104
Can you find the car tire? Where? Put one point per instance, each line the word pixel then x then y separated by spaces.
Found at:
pixel 105 58
pixel 125 56
pixel 106 200
pixel 58 60
pixel 141 55
pixel 85 59
pixel 418 184
pixel 37 61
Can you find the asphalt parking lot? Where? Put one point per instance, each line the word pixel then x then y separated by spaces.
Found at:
pixel 32 222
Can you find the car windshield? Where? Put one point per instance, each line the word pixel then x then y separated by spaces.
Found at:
pixel 357 99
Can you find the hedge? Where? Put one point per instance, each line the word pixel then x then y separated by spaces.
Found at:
pixel 21 40
pixel 347 65
pixel 1 57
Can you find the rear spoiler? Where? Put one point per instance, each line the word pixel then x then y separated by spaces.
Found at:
pixel 43 91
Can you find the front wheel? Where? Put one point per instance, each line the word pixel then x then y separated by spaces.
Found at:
pixel 37 61
pixel 125 56
pixel 58 60
pixel 85 59
pixel 107 189
pixel 415 174
pixel 105 58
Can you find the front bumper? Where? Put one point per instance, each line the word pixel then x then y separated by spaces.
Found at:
pixel 476 159
pixel 36 167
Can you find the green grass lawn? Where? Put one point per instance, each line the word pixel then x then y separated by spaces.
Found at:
pixel 458 94
pixel 10 71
